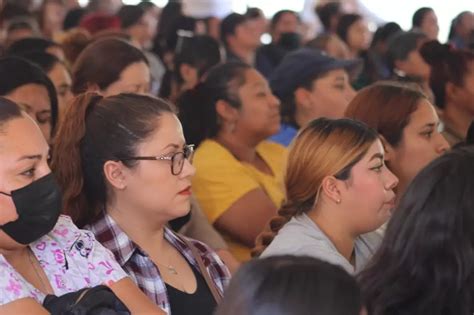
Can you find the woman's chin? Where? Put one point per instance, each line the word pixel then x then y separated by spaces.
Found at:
pixel 183 209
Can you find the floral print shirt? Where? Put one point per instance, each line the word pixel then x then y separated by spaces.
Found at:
pixel 71 258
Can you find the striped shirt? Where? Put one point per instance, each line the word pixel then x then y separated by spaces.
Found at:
pixel 141 268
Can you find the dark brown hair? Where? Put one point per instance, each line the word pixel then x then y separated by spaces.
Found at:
pixel 8 111
pixel 96 130
pixel 102 62
pixel 448 64
pixel 386 107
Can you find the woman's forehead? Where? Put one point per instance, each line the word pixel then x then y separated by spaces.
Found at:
pixel 22 136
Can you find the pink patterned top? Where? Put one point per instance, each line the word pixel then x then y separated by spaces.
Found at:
pixel 72 259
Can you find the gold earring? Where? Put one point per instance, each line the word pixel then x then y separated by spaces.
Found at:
pixel 338 201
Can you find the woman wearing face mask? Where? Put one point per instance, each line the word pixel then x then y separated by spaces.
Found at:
pixel 42 252
pixel 125 170
pixel 407 123
pixel 331 164
pixel 285 31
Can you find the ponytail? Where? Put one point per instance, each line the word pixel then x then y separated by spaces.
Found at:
pixel 323 148
pixel 66 161
pixel 197 107
pixel 287 211
pixel 198 115
pixel 96 130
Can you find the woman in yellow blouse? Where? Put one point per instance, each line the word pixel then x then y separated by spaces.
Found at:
pixel 239 175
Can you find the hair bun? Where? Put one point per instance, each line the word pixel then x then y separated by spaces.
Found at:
pixel 434 52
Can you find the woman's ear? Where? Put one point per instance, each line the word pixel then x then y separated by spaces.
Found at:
pixel 114 174
pixel 331 187
pixel 400 65
pixel 302 98
pixel 388 148
pixel 226 111
pixel 453 92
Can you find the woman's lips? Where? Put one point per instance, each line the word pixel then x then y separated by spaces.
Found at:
pixel 391 203
pixel 185 192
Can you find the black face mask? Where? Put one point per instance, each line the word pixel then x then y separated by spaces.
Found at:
pixel 38 206
pixel 290 40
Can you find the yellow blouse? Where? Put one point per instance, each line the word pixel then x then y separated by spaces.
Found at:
pixel 221 180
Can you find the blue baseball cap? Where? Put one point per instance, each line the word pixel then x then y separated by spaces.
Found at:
pixel 300 65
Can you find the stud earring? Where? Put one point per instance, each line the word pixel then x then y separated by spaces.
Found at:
pixel 338 201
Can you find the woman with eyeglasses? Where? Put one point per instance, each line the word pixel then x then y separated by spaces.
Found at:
pixel 125 170
pixel 128 72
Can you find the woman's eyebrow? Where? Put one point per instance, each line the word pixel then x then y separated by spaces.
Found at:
pixel 376 156
pixel 30 157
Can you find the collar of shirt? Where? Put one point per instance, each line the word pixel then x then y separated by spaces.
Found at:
pixel 109 233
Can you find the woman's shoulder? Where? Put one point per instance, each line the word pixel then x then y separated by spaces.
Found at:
pixel 210 152
pixel 66 233
pixel 183 244
pixel 299 237
pixel 210 145
pixel 213 157
pixel 271 148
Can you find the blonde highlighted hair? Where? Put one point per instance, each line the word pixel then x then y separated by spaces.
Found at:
pixel 323 148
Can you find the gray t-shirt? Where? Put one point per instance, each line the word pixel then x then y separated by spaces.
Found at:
pixel 301 236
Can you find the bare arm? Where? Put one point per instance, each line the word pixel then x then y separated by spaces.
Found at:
pixel 247 217
pixel 23 306
pixel 136 301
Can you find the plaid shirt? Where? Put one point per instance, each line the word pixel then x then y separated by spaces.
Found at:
pixel 140 267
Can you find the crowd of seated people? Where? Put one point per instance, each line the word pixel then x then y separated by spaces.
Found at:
pixel 163 161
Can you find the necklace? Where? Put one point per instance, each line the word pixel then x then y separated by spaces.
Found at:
pixel 44 287
pixel 172 270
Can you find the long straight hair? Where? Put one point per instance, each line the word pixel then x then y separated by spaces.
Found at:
pixel 425 264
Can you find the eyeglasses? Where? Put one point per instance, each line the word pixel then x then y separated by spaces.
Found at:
pixel 177 159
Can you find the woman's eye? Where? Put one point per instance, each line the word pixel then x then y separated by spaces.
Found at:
pixel 43 118
pixel 29 173
pixel 427 134
pixel 378 169
pixel 62 92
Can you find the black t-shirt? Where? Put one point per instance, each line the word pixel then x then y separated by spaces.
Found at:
pixel 200 302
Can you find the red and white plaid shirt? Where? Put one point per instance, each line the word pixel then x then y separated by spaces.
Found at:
pixel 141 268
